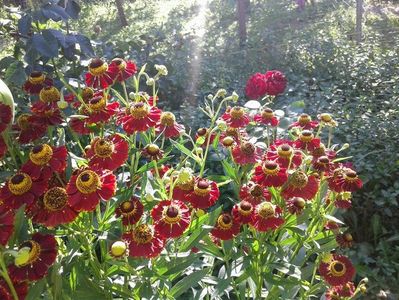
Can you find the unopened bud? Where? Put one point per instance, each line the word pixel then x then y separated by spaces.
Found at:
pixel 221 93
pixel 162 70
pixel 209 97
pixel 150 81
pixel 62 104
pixel 118 249
pixel 234 96
pixel 222 125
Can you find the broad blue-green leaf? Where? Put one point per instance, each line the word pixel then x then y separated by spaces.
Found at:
pixel 46 44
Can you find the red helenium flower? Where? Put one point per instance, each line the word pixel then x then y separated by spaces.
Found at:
pixel 44 160
pixel 46 114
pixel 254 193
pixel 22 188
pixel 344 240
pixel 79 126
pixel 52 209
pixel 6 224
pixel 204 195
pixel 42 249
pixel 300 185
pixel 130 211
pixel 242 212
pixel 336 269
pixel 101 75
pixel 256 86
pixel 305 122
pixel 266 117
pixel 275 82
pixel 338 292
pixel 86 188
pixel 5 116
pixel 30 128
pixel 3 147
pixel 182 190
pixel 36 81
pixel 296 205
pixel 21 288
pixel 267 216
pixel 109 152
pixel 270 174
pixel 307 141
pixel 139 117
pixel 236 117
pixel 169 126
pixel 99 109
pixel 144 241
pixel 226 227
pixel 246 153
pixel 171 218
pixel 284 153
pixel 344 180
pixel 126 68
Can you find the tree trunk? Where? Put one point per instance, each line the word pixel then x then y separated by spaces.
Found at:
pixel 359 19
pixel 121 12
pixel 242 7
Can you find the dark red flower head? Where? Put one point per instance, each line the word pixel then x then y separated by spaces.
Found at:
pixel 34 258
pixel 254 193
pixel 267 216
pixel 49 94
pixel 130 211
pixel 52 209
pixel 44 160
pixel 305 122
pixel 168 125
pixel 100 75
pixel 144 241
pixel 336 269
pixel 21 288
pixel 152 152
pixel 275 82
pixel 109 152
pixel 3 147
pixel 322 164
pixel 5 116
pixel 344 240
pixel 87 187
pixel 300 185
pixel 345 180
pixel 296 205
pixel 242 212
pixel 6 224
pixel 307 141
pixel 236 117
pixel 246 153
pixel 205 193
pixel 285 154
pixel 270 174
pixel 22 188
pixel 171 218
pixel 343 200
pixel 256 86
pixel 139 117
pixel 29 128
pixel 36 81
pixel 341 292
pixel 126 68
pixel 266 117
pixel 226 227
